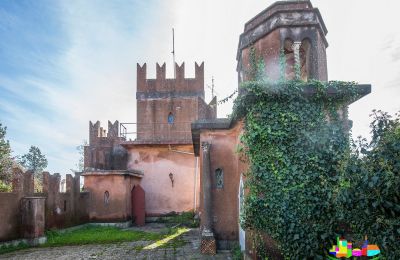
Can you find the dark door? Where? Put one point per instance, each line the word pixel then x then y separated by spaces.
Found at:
pixel 138 213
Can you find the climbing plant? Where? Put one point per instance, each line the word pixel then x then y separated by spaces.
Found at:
pixel 297 146
pixel 306 185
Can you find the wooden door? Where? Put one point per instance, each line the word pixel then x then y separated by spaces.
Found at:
pixel 138 205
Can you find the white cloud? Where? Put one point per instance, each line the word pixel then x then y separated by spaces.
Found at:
pixel 96 75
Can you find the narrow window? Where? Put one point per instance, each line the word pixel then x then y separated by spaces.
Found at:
pixel 219 178
pixel 170 118
pixel 106 198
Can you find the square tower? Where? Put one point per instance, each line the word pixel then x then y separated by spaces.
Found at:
pixel 166 107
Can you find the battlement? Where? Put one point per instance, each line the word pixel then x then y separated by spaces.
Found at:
pixel 169 87
pixel 97 132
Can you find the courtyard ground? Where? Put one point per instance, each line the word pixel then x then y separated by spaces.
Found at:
pixel 182 245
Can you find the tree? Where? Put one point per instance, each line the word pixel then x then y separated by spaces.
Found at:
pixel 34 160
pixel 6 161
pixel 81 150
pixel 373 198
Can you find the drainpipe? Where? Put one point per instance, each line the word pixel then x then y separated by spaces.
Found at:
pixel 206 189
pixel 196 165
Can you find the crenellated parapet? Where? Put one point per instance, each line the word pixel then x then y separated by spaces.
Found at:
pixel 104 150
pixel 98 133
pixel 163 87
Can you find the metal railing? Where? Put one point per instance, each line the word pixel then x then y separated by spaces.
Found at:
pixel 156 131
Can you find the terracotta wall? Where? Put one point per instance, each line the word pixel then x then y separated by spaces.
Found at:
pixel 119 187
pixel 157 162
pixel 223 155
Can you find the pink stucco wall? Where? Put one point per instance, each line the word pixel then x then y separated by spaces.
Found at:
pixel 118 186
pixel 157 162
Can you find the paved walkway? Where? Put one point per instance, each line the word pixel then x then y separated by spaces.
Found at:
pixel 124 250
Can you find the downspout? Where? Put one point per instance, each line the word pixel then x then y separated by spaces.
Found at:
pixel 195 183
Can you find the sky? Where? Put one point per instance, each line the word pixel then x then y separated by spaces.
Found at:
pixel 65 62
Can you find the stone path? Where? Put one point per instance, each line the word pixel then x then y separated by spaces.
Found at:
pixel 124 250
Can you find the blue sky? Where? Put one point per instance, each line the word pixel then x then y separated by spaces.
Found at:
pixel 63 63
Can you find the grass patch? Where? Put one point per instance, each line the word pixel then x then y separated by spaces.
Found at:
pixel 98 235
pixel 171 238
pixel 186 219
pixel 11 248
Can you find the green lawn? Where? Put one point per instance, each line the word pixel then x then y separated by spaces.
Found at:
pixel 97 235
pixel 104 235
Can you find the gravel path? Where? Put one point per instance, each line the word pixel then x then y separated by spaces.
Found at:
pixel 124 250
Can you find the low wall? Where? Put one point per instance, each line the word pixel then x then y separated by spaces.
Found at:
pixel 64 209
pixel 9 216
pixel 61 209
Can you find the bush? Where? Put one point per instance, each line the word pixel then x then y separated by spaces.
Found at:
pixel 4 187
pixel 373 199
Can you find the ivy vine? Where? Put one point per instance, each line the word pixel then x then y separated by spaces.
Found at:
pixel 297 148
pixel 301 167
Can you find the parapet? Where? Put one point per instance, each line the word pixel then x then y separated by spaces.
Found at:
pixel 170 87
pixel 96 132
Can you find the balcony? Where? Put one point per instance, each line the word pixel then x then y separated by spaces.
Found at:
pixel 156 133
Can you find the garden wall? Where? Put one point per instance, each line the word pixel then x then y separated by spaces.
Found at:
pixel 61 209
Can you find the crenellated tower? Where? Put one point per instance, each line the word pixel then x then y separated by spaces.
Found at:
pixel 166 107
pixel 104 151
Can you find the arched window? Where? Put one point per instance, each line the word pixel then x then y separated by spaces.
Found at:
pixel 170 118
pixel 106 198
pixel 219 178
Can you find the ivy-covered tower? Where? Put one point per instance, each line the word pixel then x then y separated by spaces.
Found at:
pixel 292 31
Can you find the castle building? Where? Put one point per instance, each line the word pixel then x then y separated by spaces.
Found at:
pixel 159 161
pixel 183 157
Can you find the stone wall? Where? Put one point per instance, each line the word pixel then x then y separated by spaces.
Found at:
pixel 61 209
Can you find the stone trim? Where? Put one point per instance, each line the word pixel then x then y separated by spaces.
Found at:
pixel 282 19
